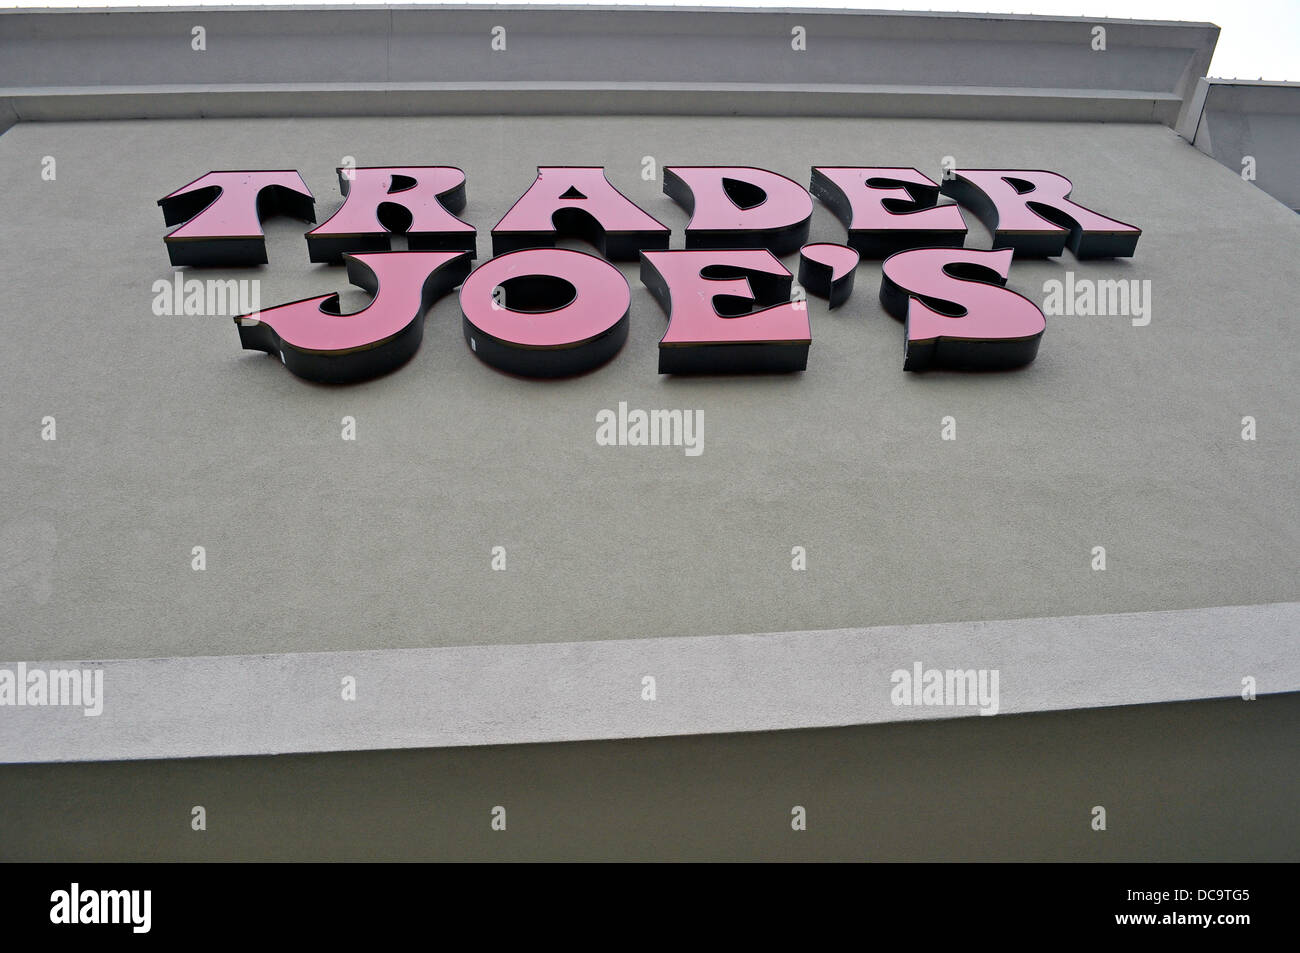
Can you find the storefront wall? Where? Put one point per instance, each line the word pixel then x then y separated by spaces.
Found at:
pixel 974 553
pixel 171 436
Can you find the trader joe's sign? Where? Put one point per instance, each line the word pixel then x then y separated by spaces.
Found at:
pixel 541 311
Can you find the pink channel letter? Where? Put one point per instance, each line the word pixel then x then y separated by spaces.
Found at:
pixel 579 202
pixel 827 270
pixel 538 332
pixel 416 200
pixel 1030 211
pixel 957 313
pixel 887 210
pixel 740 207
pixel 316 342
pixel 699 340
pixel 223 212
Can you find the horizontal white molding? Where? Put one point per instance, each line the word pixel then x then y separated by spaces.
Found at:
pixel 329 100
pixel 571 691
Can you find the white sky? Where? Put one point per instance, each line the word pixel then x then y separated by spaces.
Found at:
pixel 1260 39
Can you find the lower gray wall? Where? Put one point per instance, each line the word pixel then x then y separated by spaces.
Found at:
pixel 1189 781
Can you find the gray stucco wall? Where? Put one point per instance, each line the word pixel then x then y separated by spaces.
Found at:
pixel 169 436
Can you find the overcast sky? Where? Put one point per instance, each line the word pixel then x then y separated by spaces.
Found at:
pixel 1260 38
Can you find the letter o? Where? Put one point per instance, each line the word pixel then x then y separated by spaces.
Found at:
pixel 553 341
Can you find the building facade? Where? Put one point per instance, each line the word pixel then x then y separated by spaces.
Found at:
pixel 852 610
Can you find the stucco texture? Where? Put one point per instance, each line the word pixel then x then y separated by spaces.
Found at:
pixel 169 436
